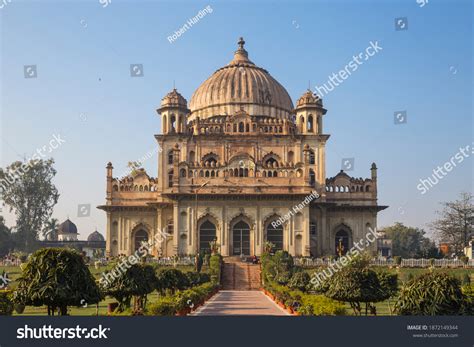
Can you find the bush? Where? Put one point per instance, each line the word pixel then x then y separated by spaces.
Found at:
pixel 165 306
pixel 432 294
pixel 57 278
pixel 464 259
pixel 466 279
pixel 172 304
pixel 319 305
pixel 19 308
pixel 215 266
pixel 355 286
pixel 197 278
pixel 388 282
pixel 397 259
pixel 6 303
pixel 138 281
pixel 171 280
pixel 305 304
pixel 300 281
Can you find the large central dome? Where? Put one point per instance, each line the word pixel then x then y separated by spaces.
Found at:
pixel 241 85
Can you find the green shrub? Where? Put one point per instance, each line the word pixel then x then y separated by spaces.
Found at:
pixel 215 267
pixel 397 259
pixel 197 278
pixel 321 306
pixel 57 278
pixel 138 281
pixel 356 286
pixel 388 282
pixel 432 294
pixel 280 267
pixel 6 303
pixel 171 280
pixel 171 304
pixel 466 279
pixel 305 304
pixel 165 306
pixel 300 281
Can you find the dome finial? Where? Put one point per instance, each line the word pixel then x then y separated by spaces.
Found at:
pixel 241 43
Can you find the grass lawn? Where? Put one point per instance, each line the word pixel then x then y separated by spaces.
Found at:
pixel 15 271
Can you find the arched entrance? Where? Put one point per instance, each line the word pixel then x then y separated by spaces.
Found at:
pixel 207 233
pixel 341 242
pixel 275 236
pixel 140 236
pixel 241 239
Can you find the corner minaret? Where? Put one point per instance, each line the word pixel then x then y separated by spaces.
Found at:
pixel 173 110
pixel 309 114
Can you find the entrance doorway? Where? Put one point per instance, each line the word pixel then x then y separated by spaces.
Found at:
pixel 241 239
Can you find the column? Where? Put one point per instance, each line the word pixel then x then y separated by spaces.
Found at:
pixel 108 244
pixel 176 227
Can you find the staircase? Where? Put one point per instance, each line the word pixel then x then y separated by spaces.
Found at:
pixel 238 275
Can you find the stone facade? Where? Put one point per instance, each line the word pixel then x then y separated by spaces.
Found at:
pixel 239 158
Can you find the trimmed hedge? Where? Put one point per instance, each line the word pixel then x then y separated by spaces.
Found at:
pixel 305 304
pixel 183 300
pixel 6 303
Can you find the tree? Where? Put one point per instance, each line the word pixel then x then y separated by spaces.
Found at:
pixel 356 285
pixel 6 238
pixel 57 278
pixel 50 230
pixel 433 294
pixel 409 242
pixel 455 223
pixel 136 282
pixel 29 191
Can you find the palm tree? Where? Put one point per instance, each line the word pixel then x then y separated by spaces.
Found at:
pixel 50 230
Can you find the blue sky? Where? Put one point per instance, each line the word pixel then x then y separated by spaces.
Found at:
pixel 84 92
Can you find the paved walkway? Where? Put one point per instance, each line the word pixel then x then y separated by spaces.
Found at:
pixel 240 303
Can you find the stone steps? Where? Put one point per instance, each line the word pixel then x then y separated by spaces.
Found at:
pixel 240 276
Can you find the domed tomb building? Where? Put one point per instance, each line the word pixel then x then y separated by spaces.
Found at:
pixel 241 165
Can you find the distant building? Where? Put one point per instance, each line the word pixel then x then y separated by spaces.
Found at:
pixel 384 246
pixel 94 247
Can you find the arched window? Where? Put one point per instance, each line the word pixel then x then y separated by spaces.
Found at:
pixel 241 127
pixel 247 127
pixel 270 162
pixel 310 124
pixel 173 123
pixel 367 188
pixel 312 228
pixel 207 233
pixel 183 172
pixel 275 236
pixel 235 128
pixel 291 157
pixel 170 157
pixel 170 227
pixel 140 236
pixel 312 177
pixel 311 157
pixel 301 124
pixel 207 173
pixel 170 178
pixel 192 157
pixel 164 124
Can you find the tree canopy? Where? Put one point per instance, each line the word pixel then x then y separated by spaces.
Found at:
pixel 28 190
pixel 57 278
pixel 455 222
pixel 409 242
